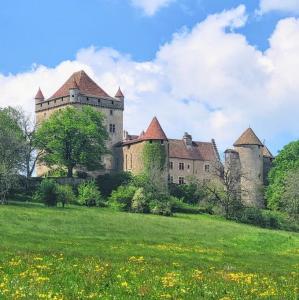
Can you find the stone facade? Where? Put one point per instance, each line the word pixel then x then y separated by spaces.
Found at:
pixel 250 161
pixel 89 94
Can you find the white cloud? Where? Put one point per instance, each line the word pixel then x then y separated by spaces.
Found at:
pixel 290 6
pixel 150 7
pixel 209 81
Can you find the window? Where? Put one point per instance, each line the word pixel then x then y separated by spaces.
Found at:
pixel 112 128
pixel 170 165
pixel 111 112
pixel 181 180
pixel 126 162
pixel 207 168
pixel 181 166
pixel 131 161
pixel 162 142
pixel 188 167
pixel 170 179
pixel 112 102
pixel 99 101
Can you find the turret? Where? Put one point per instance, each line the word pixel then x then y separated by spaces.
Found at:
pixel 119 95
pixel 74 91
pixel 39 97
pixel 249 148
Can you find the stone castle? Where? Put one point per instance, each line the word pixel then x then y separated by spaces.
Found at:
pixel 186 159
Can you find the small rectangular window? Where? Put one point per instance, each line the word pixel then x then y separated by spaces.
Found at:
pixel 111 112
pixel 170 165
pixel 207 168
pixel 181 180
pixel 112 128
pixel 181 166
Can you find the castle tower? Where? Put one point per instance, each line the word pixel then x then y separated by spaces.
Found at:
pixel 250 150
pixel 78 91
pixel 133 148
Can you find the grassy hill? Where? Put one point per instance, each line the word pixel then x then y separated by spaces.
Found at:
pixel 81 253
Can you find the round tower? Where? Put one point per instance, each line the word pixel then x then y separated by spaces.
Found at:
pixel 74 91
pixel 250 150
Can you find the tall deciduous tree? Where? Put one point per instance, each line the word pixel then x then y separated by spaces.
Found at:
pixel 286 161
pixel 73 138
pixel 11 151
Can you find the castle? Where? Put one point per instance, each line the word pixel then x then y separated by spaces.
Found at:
pixel 185 158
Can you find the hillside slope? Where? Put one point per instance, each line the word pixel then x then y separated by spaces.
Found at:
pixel 81 253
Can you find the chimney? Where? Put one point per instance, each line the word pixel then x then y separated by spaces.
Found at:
pixel 187 139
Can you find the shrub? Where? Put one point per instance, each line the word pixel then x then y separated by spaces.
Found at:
pixel 162 208
pixel 47 192
pixel 110 182
pixel 189 193
pixel 65 194
pixel 178 206
pixel 89 195
pixel 122 197
pixel 140 203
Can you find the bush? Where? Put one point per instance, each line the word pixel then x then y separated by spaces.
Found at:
pixel 122 197
pixel 65 194
pixel 89 195
pixel 110 182
pixel 268 219
pixel 189 193
pixel 47 192
pixel 162 208
pixel 140 203
pixel 178 206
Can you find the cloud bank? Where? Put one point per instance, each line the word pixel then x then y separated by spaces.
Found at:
pixel 208 81
pixel 291 6
pixel 150 7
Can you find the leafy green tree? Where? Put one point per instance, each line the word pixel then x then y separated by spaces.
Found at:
pixel 47 192
pixel 73 138
pixel 286 161
pixel 291 194
pixel 11 151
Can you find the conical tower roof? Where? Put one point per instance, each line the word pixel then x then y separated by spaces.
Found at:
pixel 119 94
pixel 85 84
pixel 248 137
pixel 266 152
pixel 154 131
pixel 74 85
pixel 39 95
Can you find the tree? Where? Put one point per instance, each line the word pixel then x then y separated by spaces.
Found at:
pixel 73 138
pixel 28 128
pixel 11 151
pixel 286 161
pixel 226 189
pixel 291 194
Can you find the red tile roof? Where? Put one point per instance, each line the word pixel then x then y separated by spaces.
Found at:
pixel 119 94
pixel 248 137
pixel 85 84
pixel 154 131
pixel 39 95
pixel 204 151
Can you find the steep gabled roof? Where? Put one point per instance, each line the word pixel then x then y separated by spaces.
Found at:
pixel 85 84
pixel 154 131
pixel 119 94
pixel 266 152
pixel 198 151
pixel 248 137
pixel 39 95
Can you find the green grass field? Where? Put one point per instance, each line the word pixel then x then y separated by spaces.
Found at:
pixel 81 253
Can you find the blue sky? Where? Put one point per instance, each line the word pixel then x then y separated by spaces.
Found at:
pixel 48 32
pixel 208 67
